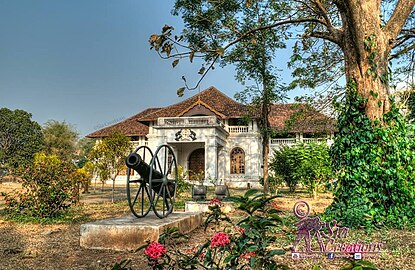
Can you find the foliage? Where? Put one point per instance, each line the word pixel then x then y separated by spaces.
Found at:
pixel 245 244
pixel 20 138
pixel 84 147
pixel 375 165
pixel 182 185
pixel 108 157
pixel 324 33
pixel 50 187
pixel 60 139
pixel 309 164
pixel 283 164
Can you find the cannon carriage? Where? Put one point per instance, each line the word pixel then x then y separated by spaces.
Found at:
pixel 156 188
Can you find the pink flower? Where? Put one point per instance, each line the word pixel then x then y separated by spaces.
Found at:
pixel 215 202
pixel 247 255
pixel 7 202
pixel 155 250
pixel 220 239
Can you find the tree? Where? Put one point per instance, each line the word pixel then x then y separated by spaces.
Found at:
pixel 351 38
pixel 60 139
pixel 20 138
pixel 83 147
pixel 109 156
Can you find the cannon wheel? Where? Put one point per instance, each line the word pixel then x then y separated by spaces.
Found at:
pixel 138 191
pixel 164 161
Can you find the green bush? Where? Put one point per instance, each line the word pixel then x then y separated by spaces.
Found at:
pixel 283 167
pixel 375 162
pixel 49 187
pixel 309 164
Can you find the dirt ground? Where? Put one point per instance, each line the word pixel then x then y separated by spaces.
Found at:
pixel 56 246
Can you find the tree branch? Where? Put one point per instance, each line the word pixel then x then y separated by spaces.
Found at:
pixel 403 51
pixel 397 20
pixel 274 25
pixel 326 35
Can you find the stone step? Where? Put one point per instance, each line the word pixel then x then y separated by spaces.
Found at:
pixel 130 232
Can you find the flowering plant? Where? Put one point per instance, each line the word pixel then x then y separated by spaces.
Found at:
pixel 155 251
pixel 241 244
pixel 220 239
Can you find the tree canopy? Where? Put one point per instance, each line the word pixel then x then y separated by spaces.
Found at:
pixel 108 156
pixel 60 139
pixel 330 39
pixel 20 138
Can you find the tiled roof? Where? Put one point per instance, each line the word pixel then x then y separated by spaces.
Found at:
pixel 283 117
pixel 129 127
pixel 223 106
pixel 297 117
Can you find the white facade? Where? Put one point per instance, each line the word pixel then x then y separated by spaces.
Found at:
pixel 188 134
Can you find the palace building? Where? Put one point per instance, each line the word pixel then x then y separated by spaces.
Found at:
pixel 215 137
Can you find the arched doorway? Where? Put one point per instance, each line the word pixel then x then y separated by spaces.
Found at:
pixel 197 164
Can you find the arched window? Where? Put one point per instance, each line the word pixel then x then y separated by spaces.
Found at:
pixel 237 161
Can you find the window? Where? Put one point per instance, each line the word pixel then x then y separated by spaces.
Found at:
pixel 237 161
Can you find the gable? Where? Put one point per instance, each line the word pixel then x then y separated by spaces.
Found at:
pixel 199 110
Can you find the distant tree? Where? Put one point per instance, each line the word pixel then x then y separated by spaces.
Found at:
pixel 109 156
pixel 83 147
pixel 253 62
pixel 60 139
pixel 20 138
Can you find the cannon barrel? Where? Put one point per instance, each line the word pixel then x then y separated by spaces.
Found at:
pixel 135 162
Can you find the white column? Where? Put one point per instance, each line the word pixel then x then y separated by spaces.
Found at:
pixel 211 160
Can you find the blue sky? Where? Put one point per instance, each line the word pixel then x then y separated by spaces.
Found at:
pixel 88 62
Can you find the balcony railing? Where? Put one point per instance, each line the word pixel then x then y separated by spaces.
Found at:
pixel 238 129
pixel 292 141
pixel 283 141
pixel 189 121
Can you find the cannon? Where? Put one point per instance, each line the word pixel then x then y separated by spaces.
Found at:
pixel 156 188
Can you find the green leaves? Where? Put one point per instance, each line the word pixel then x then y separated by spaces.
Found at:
pixel 20 138
pixel 376 165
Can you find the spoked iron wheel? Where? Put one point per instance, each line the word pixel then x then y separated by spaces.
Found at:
pixel 163 180
pixel 138 190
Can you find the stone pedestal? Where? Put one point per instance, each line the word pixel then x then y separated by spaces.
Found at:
pixel 130 233
pixel 203 206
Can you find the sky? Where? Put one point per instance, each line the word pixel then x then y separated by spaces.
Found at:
pixel 89 63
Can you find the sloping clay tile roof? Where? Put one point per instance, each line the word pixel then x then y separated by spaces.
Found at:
pixel 223 106
pixel 129 127
pixel 296 117
pixel 283 117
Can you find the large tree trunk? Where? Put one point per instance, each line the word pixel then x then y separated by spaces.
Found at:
pixel 367 45
pixel 366 57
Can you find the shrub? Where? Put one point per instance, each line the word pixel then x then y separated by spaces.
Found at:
pixel 50 186
pixel 309 164
pixel 282 164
